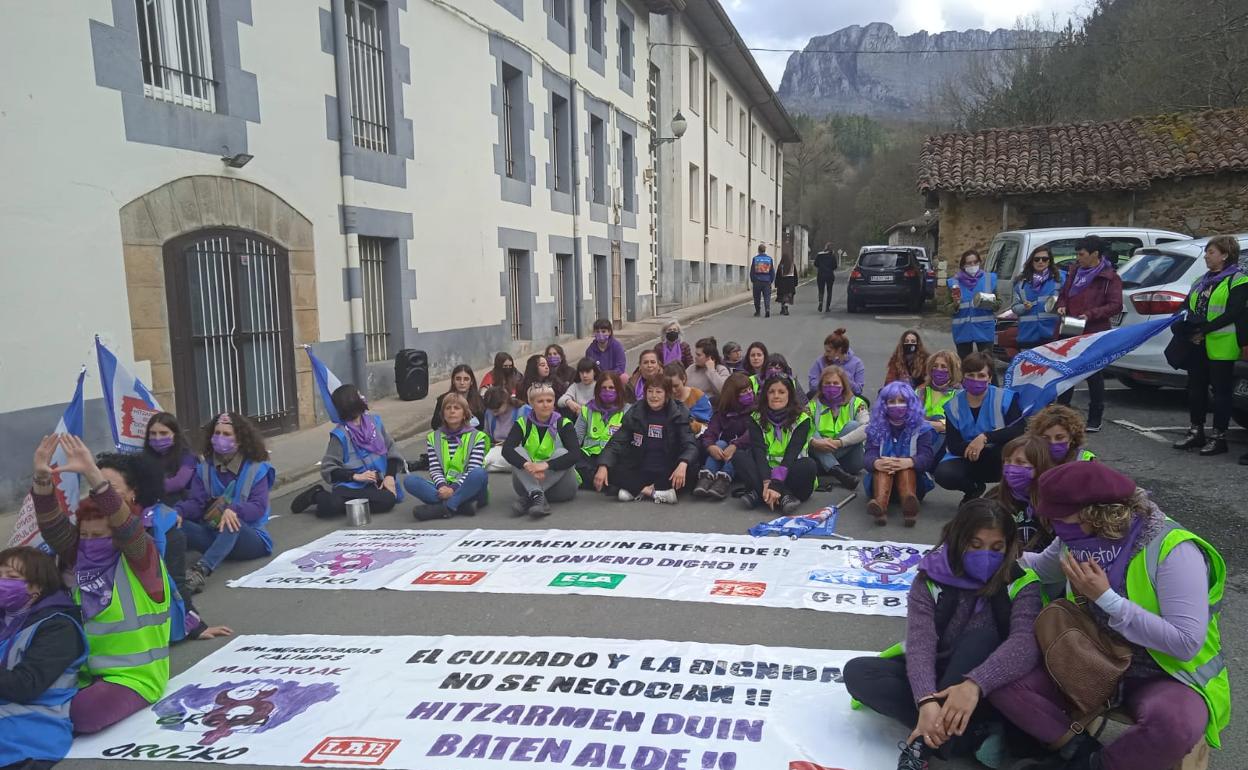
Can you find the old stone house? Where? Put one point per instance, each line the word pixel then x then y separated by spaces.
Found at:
pixel 1184 172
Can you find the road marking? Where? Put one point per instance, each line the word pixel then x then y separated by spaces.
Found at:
pixel 898 317
pixel 1146 432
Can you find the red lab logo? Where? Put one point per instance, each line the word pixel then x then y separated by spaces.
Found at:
pixel 351 751
pixel 448 578
pixel 738 588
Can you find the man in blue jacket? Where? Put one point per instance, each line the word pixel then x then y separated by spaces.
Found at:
pixel 762 276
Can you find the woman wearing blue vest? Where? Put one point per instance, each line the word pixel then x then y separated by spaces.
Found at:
pixel 1217 312
pixel 360 461
pixel 543 452
pixel 42 646
pixel 599 421
pixel 457 476
pixel 944 379
pixel 120 581
pixel 969 633
pixel 899 455
pixel 973 328
pixel 777 470
pixel 227 513
pixel 980 420
pixel 1039 281
pixel 838 427
pixel 1155 585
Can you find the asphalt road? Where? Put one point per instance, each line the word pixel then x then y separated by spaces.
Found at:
pixel 1206 495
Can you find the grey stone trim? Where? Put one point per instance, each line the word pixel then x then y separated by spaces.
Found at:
pixel 598 246
pixel 630 203
pixel 556 84
pixel 628 69
pixel 526 241
pixel 630 250
pixel 326 18
pixel 514 7
pixel 378 223
pixel 116 58
pixel 511 189
pixel 557 29
pixel 352 284
pixel 597 59
pixel 562 244
pixel 597 109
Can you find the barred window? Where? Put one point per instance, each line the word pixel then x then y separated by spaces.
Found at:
pixel 175 50
pixel 372 275
pixel 369 118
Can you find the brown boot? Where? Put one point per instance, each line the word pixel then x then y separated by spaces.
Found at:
pixel 878 505
pixel 907 488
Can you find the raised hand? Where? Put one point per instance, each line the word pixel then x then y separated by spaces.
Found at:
pixel 43 456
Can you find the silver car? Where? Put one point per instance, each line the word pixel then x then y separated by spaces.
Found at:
pixel 1156 282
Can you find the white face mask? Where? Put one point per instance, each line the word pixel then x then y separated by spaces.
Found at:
pixel 972 270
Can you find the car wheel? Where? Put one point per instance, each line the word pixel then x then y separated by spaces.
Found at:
pixel 1135 384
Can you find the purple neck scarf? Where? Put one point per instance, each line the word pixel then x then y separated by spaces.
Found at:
pixel 550 424
pixel 1038 280
pixel 1212 279
pixel 777 423
pixel 968 281
pixel 1084 276
pixel 1112 555
pixel 365 436
pixel 94 570
pixel 672 354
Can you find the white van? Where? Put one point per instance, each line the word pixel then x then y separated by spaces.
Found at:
pixel 1007 255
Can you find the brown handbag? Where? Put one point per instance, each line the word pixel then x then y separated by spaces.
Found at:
pixel 1084 659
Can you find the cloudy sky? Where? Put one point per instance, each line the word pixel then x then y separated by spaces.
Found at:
pixel 791 23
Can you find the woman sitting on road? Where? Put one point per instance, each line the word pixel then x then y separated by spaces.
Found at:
pixel 755 365
pixel 1064 430
pixel 537 372
pixel 672 349
pixel 360 461
pixel 980 420
pixel 839 424
pixel 734 358
pixel 122 585
pixel 560 368
pixel 647 366
pixel 1154 584
pixel 697 402
pixel 1026 458
pixel 606 350
pixel 463 382
pixel 226 515
pixel 900 453
pixel 727 434
pixel 969 634
pixel 707 373
pixel 457 479
pixel 650 455
pixel 544 452
pixel 581 391
pixel 778 366
pixel 777 470
pixel 167 445
pixel 837 352
pixel 503 375
pixel 909 360
pixel 944 378
pixel 501 410
pixel 1039 282
pixel 599 421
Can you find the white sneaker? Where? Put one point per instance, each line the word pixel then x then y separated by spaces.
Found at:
pixel 625 497
pixel 666 496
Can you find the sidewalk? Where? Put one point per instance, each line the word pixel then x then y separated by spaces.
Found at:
pixel 296 456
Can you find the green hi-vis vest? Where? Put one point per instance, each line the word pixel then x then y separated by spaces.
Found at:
pixel 897 650
pixel 540 449
pixel 776 447
pixel 1086 456
pixel 755 384
pixel 600 431
pixel 934 402
pixel 1223 344
pixel 128 641
pixel 829 423
pixel 454 463
pixel 1205 673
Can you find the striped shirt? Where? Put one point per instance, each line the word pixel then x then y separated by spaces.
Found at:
pixel 475 458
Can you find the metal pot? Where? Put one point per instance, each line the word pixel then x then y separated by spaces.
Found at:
pixel 358 514
pixel 1050 304
pixel 984 300
pixel 1071 326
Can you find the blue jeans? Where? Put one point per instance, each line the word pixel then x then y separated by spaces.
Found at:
pixel 471 487
pixel 215 546
pixel 762 291
pixel 849 458
pixel 719 466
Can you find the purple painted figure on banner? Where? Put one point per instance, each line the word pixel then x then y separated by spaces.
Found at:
pixel 884 567
pixel 341 562
pixel 252 706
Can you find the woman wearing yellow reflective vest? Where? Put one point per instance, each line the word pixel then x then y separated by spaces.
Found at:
pixel 457 477
pixel 543 452
pixel 944 379
pixel 1217 313
pixel 777 471
pixel 839 427
pixel 120 580
pixel 1159 587
pixel 599 421
pixel 1064 430
pixel 969 622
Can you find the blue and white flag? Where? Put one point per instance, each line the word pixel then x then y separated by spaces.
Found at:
pixel 1042 374
pixel 128 401
pixel 26 530
pixel 819 524
pixel 326 383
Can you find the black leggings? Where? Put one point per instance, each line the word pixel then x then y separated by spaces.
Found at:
pixel 1202 374
pixel 826 283
pixel 800 482
pixel 962 474
pixel 334 503
pixel 966 348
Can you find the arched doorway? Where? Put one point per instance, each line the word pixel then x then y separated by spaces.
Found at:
pixel 230 327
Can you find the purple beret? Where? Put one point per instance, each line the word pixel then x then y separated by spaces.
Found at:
pixel 1071 487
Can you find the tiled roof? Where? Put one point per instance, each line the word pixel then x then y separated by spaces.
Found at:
pixel 1119 155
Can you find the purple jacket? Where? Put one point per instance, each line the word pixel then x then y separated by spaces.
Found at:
pixel 613 359
pixel 924 452
pixel 733 428
pixel 853 366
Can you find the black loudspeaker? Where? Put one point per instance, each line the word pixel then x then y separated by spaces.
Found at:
pixel 411 374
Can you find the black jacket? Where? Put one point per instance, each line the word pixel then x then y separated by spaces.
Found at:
pixel 1236 313
pixel 758 445
pixel 826 263
pixel 625 445
pixel 57 644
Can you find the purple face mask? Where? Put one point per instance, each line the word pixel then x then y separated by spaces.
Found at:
pixel 224 445
pixel 832 392
pixel 607 397
pixel 554 360
pixel 13 594
pixel 940 377
pixel 1018 478
pixel 601 337
pixel 982 565
pixel 97 558
pixel 1059 449
pixel 975 387
pixel 161 444
pixel 896 413
pixel 746 398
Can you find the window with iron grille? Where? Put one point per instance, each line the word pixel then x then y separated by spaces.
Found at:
pixel 372 276
pixel 513 122
pixel 563 274
pixel 369 105
pixel 628 171
pixel 560 144
pixel 175 50
pixel 597 160
pixel 516 263
pixel 597 24
pixel 626 49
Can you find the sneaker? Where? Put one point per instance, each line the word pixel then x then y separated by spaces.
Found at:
pixel 665 496
pixel 306 499
pixel 431 512
pixel 625 496
pixel 722 486
pixel 1094 426
pixel 539 507
pixel 1216 444
pixel 197 578
pixel 789 505
pixel 1195 438
pixel 749 500
pixel 912 755
pixel 521 506
pixel 703 488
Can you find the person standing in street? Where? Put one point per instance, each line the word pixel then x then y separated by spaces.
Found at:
pixel 1217 313
pixel 826 264
pixel 786 283
pixel 1093 292
pixel 762 276
pixel 973 327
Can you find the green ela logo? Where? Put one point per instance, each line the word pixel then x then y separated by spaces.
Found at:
pixel 587 580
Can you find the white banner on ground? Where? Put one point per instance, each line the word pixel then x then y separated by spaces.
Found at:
pixel 351 558
pixel 472 703
pixel 855 576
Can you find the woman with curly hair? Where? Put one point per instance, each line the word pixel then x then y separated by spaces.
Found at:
pixel 838 427
pixel 943 378
pixel 227 512
pixel 900 453
pixel 1064 430
pixel 1151 583
pixel 909 360
pixel 165 443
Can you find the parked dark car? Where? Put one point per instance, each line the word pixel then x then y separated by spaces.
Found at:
pixel 929 271
pixel 886 277
pixel 1240 399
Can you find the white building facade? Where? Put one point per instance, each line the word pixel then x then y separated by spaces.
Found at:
pixel 210 184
